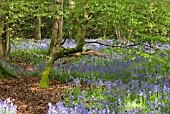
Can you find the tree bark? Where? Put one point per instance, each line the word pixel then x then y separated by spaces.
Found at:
pixel 57 27
pixel 37 30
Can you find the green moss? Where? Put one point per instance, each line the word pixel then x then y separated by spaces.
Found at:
pixel 1 76
pixel 44 82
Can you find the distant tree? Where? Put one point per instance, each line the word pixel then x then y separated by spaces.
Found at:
pixel 37 30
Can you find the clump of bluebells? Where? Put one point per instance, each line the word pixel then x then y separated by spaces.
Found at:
pixel 106 97
pixel 59 108
pixel 29 44
pixel 7 107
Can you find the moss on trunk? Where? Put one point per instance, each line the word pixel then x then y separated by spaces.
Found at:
pixel 44 83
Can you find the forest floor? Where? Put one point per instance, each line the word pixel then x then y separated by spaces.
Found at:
pixel 26 93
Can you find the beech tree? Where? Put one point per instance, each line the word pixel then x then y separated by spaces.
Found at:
pixel 58 50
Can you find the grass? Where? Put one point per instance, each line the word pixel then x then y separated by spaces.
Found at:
pixel 101 85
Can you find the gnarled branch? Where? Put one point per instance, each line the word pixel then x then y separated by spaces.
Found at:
pixel 90 52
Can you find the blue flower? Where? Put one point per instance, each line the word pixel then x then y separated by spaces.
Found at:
pixel 7 107
pixel 59 105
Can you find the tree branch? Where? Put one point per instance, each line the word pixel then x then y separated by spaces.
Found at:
pixel 90 52
pixel 124 46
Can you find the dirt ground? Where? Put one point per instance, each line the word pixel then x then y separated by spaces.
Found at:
pixel 29 97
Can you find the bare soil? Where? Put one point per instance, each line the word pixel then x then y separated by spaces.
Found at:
pixel 26 93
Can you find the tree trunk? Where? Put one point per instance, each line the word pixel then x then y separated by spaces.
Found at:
pixel 4 36
pixel 37 30
pixel 56 41
pixel 58 50
pixel 71 30
pixel 4 40
pixel 57 27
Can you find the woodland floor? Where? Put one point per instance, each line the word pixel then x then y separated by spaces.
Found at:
pixel 26 93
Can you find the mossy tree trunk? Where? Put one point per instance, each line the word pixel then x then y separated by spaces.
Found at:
pixel 59 51
pixel 56 40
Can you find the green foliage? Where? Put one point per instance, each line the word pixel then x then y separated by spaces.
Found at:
pixel 137 21
pixel 132 19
